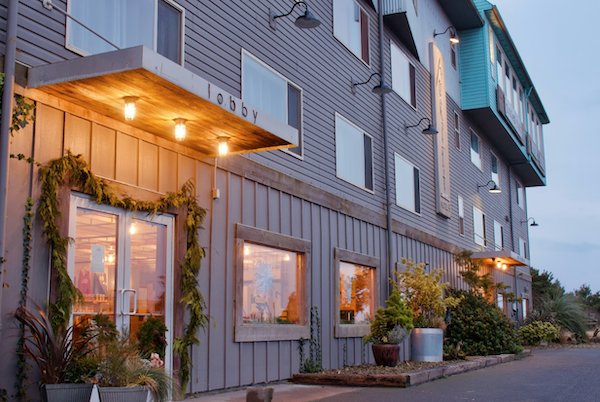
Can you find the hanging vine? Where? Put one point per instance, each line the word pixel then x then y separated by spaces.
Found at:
pixel 22 365
pixel 74 171
pixel 23 111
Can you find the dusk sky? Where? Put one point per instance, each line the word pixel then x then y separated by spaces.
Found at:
pixel 559 46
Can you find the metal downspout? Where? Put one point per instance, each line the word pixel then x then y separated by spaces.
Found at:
pixel 388 204
pixel 10 57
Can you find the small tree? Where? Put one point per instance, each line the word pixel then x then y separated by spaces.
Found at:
pixel 389 320
pixel 481 284
pixel 424 293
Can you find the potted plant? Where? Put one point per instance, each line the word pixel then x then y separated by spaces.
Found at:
pixel 122 373
pixel 390 326
pixel 424 293
pixel 61 356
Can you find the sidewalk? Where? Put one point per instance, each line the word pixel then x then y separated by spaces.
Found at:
pixel 282 392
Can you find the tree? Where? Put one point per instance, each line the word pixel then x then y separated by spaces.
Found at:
pixel 589 299
pixel 544 285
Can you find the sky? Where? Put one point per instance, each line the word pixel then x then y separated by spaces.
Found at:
pixel 558 43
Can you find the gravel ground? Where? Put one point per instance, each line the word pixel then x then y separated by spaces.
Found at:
pixel 402 367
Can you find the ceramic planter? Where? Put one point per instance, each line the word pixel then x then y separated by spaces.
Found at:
pixel 427 345
pixel 67 392
pixel 385 354
pixel 123 394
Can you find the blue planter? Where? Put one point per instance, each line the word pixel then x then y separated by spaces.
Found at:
pixel 427 345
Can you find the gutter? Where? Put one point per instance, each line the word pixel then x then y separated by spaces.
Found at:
pixel 10 57
pixel 388 204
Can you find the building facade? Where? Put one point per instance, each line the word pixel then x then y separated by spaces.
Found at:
pixel 327 185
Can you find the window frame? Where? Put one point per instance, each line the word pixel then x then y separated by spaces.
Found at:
pixel 172 3
pixel 245 53
pixel 500 233
pixel 352 257
pixel 475 234
pixel 461 215
pixel 479 153
pixel 270 332
pixel 497 173
pixel 412 72
pixel 416 190
pixel 456 130
pixel 454 55
pixel 520 192
pixel 372 170
pixel 500 302
pixel 362 34
pixel 522 247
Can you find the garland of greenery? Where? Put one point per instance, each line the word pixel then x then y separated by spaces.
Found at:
pixel 22 114
pixel 22 365
pixel 74 171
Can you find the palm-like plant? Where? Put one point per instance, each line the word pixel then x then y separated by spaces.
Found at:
pixel 55 353
pixel 563 309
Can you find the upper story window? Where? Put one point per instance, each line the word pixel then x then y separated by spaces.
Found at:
pixel 408 191
pixel 522 248
pixel 156 24
pixel 453 55
pixel 271 92
pixel 498 236
pixel 495 170
pixel 351 27
pixel 461 216
pixel 475 149
pixel 353 154
pixel 520 195
pixel 478 226
pixel 456 131
pixel 403 75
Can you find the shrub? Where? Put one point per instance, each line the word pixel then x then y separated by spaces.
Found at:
pixel 539 331
pixel 396 314
pixel 151 337
pixel 562 309
pixel 481 327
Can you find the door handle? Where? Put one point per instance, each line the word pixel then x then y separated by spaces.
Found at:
pixel 129 312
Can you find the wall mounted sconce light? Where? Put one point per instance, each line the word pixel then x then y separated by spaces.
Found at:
pixel 378 89
pixel 453 37
pixel 130 107
pixel 223 146
pixel 533 223
pixel 429 130
pixel 180 129
pixel 305 21
pixel 495 189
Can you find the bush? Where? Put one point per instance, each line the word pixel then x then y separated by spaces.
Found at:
pixel 481 327
pixel 539 331
pixel 396 314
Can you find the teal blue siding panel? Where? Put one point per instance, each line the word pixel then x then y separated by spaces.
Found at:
pixel 474 70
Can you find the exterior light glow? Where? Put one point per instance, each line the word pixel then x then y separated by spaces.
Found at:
pixel 504 267
pixel 130 107
pixel 499 265
pixel 454 39
pixel 180 129
pixel 223 146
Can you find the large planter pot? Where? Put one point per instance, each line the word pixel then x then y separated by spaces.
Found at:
pixel 67 392
pixel 386 355
pixel 427 345
pixel 123 394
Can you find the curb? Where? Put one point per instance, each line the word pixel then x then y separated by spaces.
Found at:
pixel 408 379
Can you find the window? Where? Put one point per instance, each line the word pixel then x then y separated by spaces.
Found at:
pixel 492 50
pixel 351 27
pixel 522 248
pixel 271 92
pixel 475 150
pixel 408 192
pixel 498 236
pixel 403 75
pixel 122 263
pixel 500 301
pixel 478 226
pixel 461 216
pixel 156 24
pixel 500 68
pixel 456 131
pixel 495 174
pixel 272 283
pixel 353 153
pixel 453 55
pixel 357 290
pixel 525 306
pixel 520 195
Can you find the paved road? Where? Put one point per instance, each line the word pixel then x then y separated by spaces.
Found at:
pixel 549 375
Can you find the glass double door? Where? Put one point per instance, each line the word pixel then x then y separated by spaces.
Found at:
pixel 122 262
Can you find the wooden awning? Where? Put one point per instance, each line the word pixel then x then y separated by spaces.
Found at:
pixel 507 257
pixel 166 91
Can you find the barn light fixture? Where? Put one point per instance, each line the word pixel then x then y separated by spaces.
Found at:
pixel 495 189
pixel 453 37
pixel 429 130
pixel 377 89
pixel 223 146
pixel 533 223
pixel 305 21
